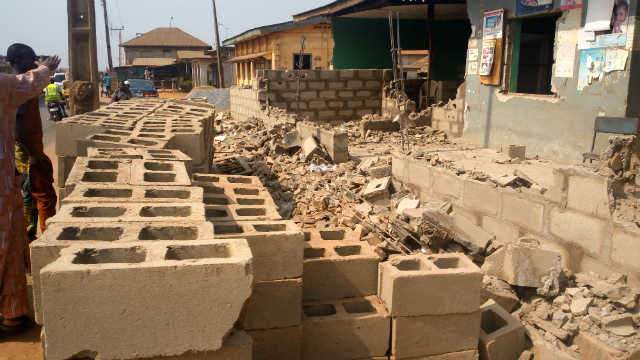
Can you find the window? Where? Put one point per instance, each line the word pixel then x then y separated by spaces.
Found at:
pixel 304 60
pixel 532 55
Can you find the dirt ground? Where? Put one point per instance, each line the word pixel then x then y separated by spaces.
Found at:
pixel 21 347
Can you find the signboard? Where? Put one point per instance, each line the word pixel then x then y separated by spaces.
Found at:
pixel 493 24
pixel 524 7
pixel 570 4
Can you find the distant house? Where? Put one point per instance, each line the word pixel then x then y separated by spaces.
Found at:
pixel 161 43
pixel 279 46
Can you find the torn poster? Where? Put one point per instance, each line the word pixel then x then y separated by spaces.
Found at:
pixel 493 24
pixel 616 60
pixel 524 7
pixel 591 67
pixel 473 68
pixel 570 4
pixel 488 54
pixel 616 33
pixel 565 60
pixel 599 15
pixel 473 54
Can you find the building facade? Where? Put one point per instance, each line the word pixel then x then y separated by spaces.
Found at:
pixel 161 43
pixel 280 47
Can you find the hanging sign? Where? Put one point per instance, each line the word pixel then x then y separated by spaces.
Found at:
pixel 524 7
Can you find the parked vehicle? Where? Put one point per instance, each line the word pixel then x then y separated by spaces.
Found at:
pixel 142 88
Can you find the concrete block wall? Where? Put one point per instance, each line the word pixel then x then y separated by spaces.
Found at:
pixel 434 301
pixel 325 95
pixel 573 214
pixel 449 117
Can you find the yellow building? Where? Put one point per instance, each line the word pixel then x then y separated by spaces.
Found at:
pixel 279 47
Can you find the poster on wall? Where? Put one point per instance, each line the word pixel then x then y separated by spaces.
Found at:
pixel 473 54
pixel 592 64
pixel 570 4
pixel 473 68
pixel 565 59
pixel 599 15
pixel 615 60
pixel 488 54
pixel 524 7
pixel 616 25
pixel 493 24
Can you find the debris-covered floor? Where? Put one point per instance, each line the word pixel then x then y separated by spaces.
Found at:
pixel 566 316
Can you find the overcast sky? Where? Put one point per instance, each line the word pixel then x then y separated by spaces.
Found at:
pixel 43 24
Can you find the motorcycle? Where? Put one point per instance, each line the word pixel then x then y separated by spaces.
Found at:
pixel 56 112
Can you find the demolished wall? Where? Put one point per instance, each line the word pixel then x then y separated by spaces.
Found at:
pixel 324 95
pixel 573 214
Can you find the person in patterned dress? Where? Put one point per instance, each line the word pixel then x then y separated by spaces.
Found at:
pixel 14 91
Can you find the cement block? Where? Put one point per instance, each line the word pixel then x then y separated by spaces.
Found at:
pixel 523 263
pixel 504 232
pixel 79 285
pixel 336 269
pixel 430 285
pixel 277 246
pixel 159 173
pixel 377 189
pixel 502 337
pixel 356 328
pixel 230 180
pixel 237 346
pixel 274 304
pixel 46 249
pixel 114 153
pixel 87 171
pixel 420 336
pixel 128 193
pixel 309 148
pixel 596 203
pixel 281 344
pixel 462 355
pixel 226 213
pixel 523 212
pixel 588 232
pixel 65 165
pixel 419 173
pixel 625 247
pixel 68 131
pixel 129 212
pixel 446 183
pixel 482 197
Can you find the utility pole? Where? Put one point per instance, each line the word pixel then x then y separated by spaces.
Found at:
pixel 215 22
pixel 106 30
pixel 120 30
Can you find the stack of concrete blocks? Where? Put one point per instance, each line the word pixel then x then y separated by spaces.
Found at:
pixel 155 125
pixel 133 220
pixel 342 316
pixel 325 95
pixel 434 301
pixel 240 207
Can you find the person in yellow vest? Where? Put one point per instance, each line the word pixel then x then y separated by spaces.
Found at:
pixel 52 94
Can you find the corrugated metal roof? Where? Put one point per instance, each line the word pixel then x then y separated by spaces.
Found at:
pixel 193 54
pixel 166 37
pixel 269 29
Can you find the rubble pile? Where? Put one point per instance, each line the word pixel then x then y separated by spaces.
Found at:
pixel 621 164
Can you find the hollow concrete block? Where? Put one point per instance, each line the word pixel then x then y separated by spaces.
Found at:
pixel 181 281
pixel 274 304
pixel 430 285
pixel 502 337
pixel 355 328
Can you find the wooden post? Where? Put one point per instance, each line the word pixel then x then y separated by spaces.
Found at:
pixel 218 56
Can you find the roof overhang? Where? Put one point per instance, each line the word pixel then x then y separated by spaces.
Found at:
pixel 266 55
pixel 269 29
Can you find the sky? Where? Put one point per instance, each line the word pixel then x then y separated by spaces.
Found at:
pixel 42 24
